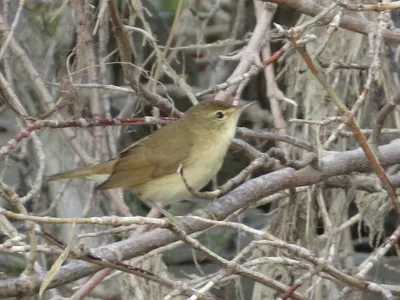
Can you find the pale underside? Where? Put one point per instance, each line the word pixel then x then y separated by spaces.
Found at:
pixel 170 188
pixel 200 164
pixel 150 166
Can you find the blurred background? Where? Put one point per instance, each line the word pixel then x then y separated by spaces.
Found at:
pixel 61 62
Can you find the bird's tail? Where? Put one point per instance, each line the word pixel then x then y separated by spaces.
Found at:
pixel 103 168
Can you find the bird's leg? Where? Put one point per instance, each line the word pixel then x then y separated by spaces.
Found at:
pixel 166 214
pixel 203 195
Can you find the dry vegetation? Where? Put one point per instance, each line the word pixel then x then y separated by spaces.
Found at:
pixel 307 206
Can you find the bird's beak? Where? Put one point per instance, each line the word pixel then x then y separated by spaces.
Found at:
pixel 240 109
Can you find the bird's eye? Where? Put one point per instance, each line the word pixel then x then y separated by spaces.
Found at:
pixel 219 115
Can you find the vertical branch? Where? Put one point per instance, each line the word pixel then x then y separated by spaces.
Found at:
pixel 354 127
pixel 86 52
pixel 161 58
pixel 12 28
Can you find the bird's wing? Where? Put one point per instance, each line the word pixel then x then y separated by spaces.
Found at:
pixel 150 158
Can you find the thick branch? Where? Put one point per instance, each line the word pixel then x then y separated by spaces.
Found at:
pixel 332 164
pixel 363 26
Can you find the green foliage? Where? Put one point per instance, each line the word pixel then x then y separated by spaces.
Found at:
pixel 45 17
pixel 170 5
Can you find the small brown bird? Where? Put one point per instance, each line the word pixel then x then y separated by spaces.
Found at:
pixel 198 142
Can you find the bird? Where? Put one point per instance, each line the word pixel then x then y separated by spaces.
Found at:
pixel 197 143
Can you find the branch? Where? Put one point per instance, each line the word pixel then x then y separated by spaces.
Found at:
pixel 332 164
pixel 359 136
pixel 311 8
pixel 84 123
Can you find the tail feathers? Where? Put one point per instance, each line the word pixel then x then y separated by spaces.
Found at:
pixel 103 168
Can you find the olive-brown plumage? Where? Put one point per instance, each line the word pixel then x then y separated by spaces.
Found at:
pixel 198 142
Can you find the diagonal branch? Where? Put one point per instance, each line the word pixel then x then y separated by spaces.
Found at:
pixel 360 137
pixel 332 164
pixel 363 26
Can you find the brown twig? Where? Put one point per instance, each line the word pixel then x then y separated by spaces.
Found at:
pixel 381 117
pixel 329 269
pixel 125 53
pixel 245 132
pixel 317 72
pixel 234 80
pixel 118 265
pixel 230 184
pixel 363 26
pixel 274 94
pixel 378 7
pixel 333 164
